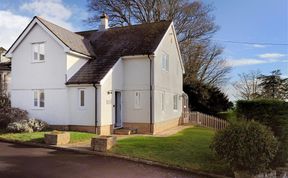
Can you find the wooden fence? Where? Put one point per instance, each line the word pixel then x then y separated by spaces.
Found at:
pixel 205 120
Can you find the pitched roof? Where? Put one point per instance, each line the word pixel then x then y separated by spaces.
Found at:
pixel 106 47
pixel 110 45
pixel 74 41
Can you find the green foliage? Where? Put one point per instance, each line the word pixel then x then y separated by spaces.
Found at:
pixel 272 113
pixel 246 146
pixel 273 86
pixel 229 115
pixel 8 115
pixel 188 149
pixel 207 99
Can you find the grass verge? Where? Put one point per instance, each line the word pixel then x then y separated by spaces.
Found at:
pixel 188 149
pixel 38 137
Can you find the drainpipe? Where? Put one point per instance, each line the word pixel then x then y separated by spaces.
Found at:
pixel 94 85
pixel 151 97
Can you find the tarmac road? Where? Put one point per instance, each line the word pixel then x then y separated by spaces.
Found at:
pixel 18 161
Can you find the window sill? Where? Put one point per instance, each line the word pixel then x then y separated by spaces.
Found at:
pixel 37 108
pixel 37 62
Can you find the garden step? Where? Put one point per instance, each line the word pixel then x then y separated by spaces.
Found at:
pixel 125 131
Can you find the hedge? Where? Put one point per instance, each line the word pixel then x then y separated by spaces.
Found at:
pixel 272 113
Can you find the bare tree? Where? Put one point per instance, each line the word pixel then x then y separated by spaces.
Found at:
pixel 194 26
pixel 205 65
pixel 247 87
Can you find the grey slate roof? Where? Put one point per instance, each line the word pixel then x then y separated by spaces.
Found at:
pixel 106 47
pixel 72 40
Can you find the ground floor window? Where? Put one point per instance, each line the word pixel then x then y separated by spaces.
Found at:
pixel 39 99
pixel 82 98
pixel 175 102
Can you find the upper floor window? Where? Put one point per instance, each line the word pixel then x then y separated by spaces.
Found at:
pixel 39 99
pixel 165 61
pixel 38 52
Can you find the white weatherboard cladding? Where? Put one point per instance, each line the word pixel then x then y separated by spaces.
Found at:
pixel 168 82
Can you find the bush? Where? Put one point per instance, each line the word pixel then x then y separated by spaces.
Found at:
pixel 28 125
pixel 246 146
pixel 37 125
pixel 272 113
pixel 19 126
pixel 9 115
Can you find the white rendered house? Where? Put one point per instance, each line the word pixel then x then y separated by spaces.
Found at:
pixel 99 80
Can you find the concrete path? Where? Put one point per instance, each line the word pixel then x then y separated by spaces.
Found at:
pixel 18 161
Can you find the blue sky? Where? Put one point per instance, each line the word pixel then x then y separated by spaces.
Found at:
pixel 256 21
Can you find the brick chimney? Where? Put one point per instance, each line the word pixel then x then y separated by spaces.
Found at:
pixel 104 22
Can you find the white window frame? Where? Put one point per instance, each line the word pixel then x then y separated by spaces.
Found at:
pixel 163 101
pixel 37 98
pixel 165 62
pixel 175 103
pixel 80 90
pixel 38 52
pixel 137 100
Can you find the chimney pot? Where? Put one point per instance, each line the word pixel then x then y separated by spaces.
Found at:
pixel 104 22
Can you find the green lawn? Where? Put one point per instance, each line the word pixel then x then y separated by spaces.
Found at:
pixel 39 136
pixel 188 148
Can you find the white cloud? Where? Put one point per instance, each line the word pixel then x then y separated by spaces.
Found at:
pixel 244 61
pixel 258 46
pixel 11 26
pixel 52 10
pixel 271 55
pixel 251 61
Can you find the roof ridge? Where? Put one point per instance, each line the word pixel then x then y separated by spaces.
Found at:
pixel 128 26
pixel 42 19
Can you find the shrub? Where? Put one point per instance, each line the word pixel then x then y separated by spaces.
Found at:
pixel 19 126
pixel 272 113
pixel 246 146
pixel 9 115
pixel 28 125
pixel 37 125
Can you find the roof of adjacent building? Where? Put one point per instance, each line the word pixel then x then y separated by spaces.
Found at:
pixel 2 50
pixel 5 66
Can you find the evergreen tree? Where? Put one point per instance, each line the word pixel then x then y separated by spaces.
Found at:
pixel 273 86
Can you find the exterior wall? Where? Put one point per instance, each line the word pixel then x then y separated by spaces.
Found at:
pixel 168 82
pixel 127 76
pixel 77 115
pixel 112 82
pixel 48 75
pixel 73 64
